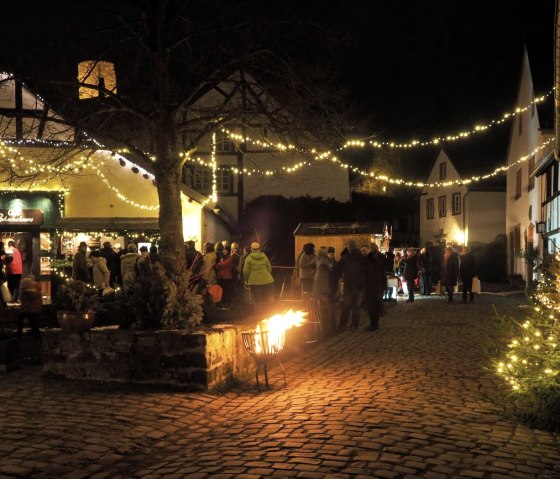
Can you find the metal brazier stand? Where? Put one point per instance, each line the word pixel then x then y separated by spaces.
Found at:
pixel 264 347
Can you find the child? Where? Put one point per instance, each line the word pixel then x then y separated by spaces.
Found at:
pixel 31 304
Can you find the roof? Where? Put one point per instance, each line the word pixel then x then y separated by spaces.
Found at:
pixel 321 229
pixel 544 164
pixel 541 59
pixel 108 224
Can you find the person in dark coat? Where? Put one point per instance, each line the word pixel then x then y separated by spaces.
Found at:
pixel 352 268
pixel 31 304
pixel 113 262
pixel 381 270
pixel 449 272
pixel 154 254
pixel 425 272
pixel 307 264
pixel 410 272
pixel 80 269
pixel 467 270
pixel 3 277
pixel 374 285
pixel 322 291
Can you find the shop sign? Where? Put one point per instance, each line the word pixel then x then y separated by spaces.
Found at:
pixel 45 265
pixel 16 216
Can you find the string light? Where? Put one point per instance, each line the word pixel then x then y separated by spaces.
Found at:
pixel 396 181
pixel 462 135
pixel 533 358
pixel 214 196
pixel 76 166
pixel 112 234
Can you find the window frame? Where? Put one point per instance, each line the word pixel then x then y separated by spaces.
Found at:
pixel 430 210
pixel 442 206
pixel 442 171
pixel 223 144
pixel 456 210
pixel 530 168
pixel 200 179
pixel 518 183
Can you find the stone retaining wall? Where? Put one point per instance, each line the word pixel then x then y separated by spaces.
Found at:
pixel 196 360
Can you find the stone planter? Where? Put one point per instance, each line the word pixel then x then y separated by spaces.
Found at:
pixel 9 354
pixel 197 360
pixel 74 321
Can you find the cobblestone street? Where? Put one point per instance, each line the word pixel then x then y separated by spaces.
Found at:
pixel 411 400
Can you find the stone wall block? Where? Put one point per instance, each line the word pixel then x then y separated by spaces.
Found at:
pixel 197 360
pixel 177 341
pixel 178 361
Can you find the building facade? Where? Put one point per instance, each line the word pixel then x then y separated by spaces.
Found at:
pixel 460 214
pixel 530 192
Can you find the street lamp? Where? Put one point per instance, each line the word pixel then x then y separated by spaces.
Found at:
pixel 541 227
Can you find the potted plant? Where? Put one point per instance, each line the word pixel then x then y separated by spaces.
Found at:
pixel 76 304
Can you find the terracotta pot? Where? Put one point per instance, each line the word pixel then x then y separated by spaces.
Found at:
pixel 75 322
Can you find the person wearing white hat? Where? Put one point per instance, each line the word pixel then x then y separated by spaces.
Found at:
pixel 257 274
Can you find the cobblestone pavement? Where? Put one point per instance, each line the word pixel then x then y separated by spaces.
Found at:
pixel 410 400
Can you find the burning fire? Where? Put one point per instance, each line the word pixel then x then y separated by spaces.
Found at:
pixel 270 333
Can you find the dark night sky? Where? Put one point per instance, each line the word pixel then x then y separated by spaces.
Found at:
pixel 416 69
pixel 427 68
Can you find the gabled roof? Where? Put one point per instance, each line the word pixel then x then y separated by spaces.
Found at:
pixel 540 52
pixel 321 229
pixel 467 168
pixel 25 115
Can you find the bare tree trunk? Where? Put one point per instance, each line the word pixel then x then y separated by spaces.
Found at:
pixel 170 212
pixel 168 183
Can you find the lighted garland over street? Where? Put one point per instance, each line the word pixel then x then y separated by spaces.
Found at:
pixel 9 152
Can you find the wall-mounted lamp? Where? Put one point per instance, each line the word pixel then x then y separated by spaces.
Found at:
pixel 541 227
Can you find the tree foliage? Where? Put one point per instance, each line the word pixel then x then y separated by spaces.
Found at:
pixel 169 55
pixel 531 363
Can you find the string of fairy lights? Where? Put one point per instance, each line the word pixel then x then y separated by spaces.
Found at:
pixel 28 166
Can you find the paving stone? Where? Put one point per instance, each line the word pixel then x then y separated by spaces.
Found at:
pixel 356 406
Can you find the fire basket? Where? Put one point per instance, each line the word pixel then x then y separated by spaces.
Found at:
pixel 266 342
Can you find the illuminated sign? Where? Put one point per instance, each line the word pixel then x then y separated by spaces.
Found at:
pixel 17 216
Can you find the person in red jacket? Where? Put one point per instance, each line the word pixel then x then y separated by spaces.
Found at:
pixel 224 274
pixel 14 269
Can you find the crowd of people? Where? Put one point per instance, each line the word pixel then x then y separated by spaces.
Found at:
pixel 227 275
pixel 426 271
pixel 360 279
pixel 222 272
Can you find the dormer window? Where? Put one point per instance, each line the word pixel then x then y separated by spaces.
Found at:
pixel 96 78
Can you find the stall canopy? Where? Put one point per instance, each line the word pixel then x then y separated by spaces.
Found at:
pixel 337 235
pixel 108 224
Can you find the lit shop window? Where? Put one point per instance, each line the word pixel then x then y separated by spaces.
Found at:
pixel 100 75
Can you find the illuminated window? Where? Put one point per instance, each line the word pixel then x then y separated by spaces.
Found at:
pixel 100 75
pixel 456 203
pixel 442 206
pixel 430 208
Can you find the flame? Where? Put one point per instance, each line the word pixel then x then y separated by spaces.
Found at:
pixel 270 333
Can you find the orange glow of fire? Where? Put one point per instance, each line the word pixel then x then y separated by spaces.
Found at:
pixel 275 328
